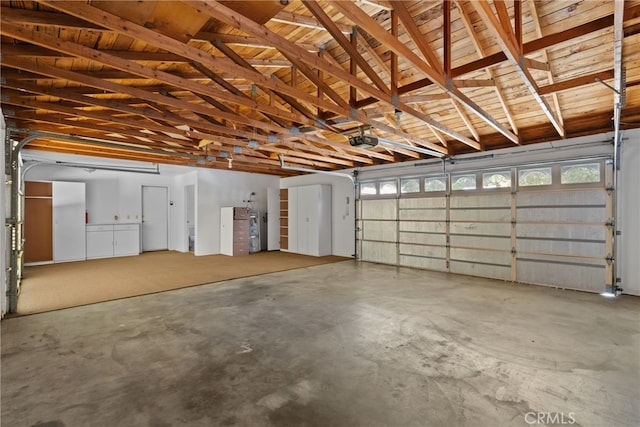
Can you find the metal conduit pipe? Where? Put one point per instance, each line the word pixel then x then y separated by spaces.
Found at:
pixel 619 101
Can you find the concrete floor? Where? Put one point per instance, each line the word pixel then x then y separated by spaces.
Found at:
pixel 346 344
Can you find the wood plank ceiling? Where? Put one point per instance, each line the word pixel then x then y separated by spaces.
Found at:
pixel 240 83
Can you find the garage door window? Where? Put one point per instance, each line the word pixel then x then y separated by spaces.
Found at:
pixel 410 185
pixel 496 179
pixel 534 177
pixel 435 184
pixel 580 174
pixel 388 187
pixel 368 189
pixel 463 182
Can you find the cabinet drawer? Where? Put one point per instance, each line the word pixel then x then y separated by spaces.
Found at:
pixel 124 227
pixel 91 228
pixel 241 213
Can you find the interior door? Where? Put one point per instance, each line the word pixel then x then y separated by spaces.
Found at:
pixel 38 222
pixel 190 205
pixel 155 219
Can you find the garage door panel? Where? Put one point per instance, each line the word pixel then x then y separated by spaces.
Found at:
pixel 574 273
pixel 565 231
pixel 481 270
pixel 384 253
pixel 423 227
pixel 379 230
pixel 479 228
pixel 482 201
pixel 560 198
pixel 379 209
pixel 481 256
pixel 489 215
pixel 559 247
pixel 423 215
pixel 423 203
pixel 554 214
pixel 497 243
pixel 423 238
pixel 422 250
pixel 423 263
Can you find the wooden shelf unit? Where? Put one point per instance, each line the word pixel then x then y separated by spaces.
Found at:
pixel 284 218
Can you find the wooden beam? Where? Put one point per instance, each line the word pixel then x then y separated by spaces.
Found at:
pixel 545 58
pixel 131 29
pixel 353 53
pixel 297 55
pixel 414 32
pixel 371 26
pixel 576 82
pixel 527 48
pixel 142 94
pixel 466 20
pixel 242 40
pixel 446 17
pixel 306 21
pixel 517 58
pixel 135 68
pixel 49 19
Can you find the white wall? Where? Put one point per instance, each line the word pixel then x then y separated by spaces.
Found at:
pixel 343 208
pixel 111 196
pixel 220 188
pixel 629 213
pixel 4 211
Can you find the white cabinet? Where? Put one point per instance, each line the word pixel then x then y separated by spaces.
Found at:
pixel 99 241
pixel 310 220
pixel 109 240
pixel 234 231
pixel 126 239
pixel 68 221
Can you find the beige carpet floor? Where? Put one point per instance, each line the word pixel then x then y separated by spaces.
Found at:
pixel 56 286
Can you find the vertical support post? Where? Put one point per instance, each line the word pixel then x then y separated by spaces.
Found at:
pixel 446 16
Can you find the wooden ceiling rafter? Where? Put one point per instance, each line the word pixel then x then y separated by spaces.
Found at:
pixel 441 81
pixel 126 27
pixel 506 39
pixel 527 48
pixel 232 89
pixel 88 80
pixel 400 9
pixel 296 54
pixel 135 68
pixel 345 43
pixel 545 59
pixel 306 21
pixel 290 100
pixel 100 131
pixel 299 78
pixel 466 21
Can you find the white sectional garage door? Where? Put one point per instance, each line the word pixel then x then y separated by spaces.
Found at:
pixel 554 233
pixel 378 231
pixel 561 238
